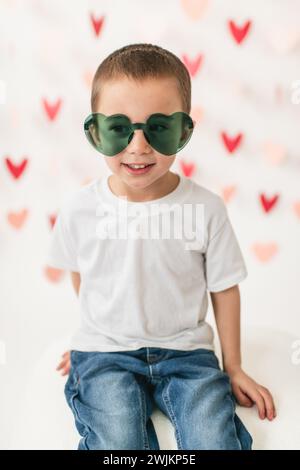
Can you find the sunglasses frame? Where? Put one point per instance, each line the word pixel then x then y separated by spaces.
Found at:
pixel 136 126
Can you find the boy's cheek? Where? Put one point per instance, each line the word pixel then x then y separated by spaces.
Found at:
pixel 165 161
pixel 113 162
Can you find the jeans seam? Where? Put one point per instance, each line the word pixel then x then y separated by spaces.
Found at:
pixel 229 396
pixel 74 370
pixel 167 401
pixel 87 429
pixel 143 418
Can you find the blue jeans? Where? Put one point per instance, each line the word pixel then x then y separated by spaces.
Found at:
pixel 112 396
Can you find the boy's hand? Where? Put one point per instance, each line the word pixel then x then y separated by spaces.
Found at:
pixel 248 392
pixel 65 364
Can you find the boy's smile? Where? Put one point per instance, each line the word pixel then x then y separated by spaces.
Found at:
pixel 138 100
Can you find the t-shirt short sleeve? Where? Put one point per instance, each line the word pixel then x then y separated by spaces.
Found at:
pixel 224 262
pixel 62 250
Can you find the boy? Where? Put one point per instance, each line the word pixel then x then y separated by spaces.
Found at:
pixel 143 338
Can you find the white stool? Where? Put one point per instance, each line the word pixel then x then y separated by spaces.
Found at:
pixel 44 420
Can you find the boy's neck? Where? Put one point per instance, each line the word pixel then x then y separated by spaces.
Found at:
pixel 160 188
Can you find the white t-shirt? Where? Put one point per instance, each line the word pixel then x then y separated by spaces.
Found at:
pixel 144 286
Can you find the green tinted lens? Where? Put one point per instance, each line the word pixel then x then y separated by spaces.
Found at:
pixel 108 134
pixel 111 134
pixel 169 134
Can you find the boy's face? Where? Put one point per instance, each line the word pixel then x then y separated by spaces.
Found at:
pixel 138 100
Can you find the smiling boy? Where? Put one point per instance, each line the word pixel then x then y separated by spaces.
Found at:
pixel 143 339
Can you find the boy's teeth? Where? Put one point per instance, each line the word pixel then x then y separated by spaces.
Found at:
pixel 137 166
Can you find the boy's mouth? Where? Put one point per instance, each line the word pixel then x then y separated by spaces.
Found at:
pixel 138 168
pixel 136 165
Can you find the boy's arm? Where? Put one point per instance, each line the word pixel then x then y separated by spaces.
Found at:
pixel 65 363
pixel 76 279
pixel 226 306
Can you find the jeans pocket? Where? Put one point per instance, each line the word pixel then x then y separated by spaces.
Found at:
pixel 73 378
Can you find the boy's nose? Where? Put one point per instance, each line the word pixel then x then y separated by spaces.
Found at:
pixel 138 142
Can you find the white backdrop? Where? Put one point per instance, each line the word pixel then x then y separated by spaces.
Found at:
pixel 244 60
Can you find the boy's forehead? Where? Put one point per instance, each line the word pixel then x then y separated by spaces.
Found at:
pixel 138 100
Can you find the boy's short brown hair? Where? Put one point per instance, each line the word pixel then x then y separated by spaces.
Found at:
pixel 140 61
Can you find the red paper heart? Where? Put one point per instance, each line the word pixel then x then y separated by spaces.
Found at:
pixel 268 203
pixel 239 32
pixel 16 170
pixel 187 168
pixel 97 23
pixel 193 65
pixel 52 109
pixel 231 143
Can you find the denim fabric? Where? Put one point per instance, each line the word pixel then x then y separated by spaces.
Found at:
pixel 112 396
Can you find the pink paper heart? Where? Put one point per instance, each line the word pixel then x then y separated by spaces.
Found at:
pixel 265 251
pixel 15 118
pixel 274 153
pixel 88 78
pixel 193 65
pixel 17 219
pixel 86 181
pixel 283 38
pixel 53 274
pixel 194 8
pixel 278 93
pixel 296 207
pixel 228 192
pixel 197 113
pixel 52 219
